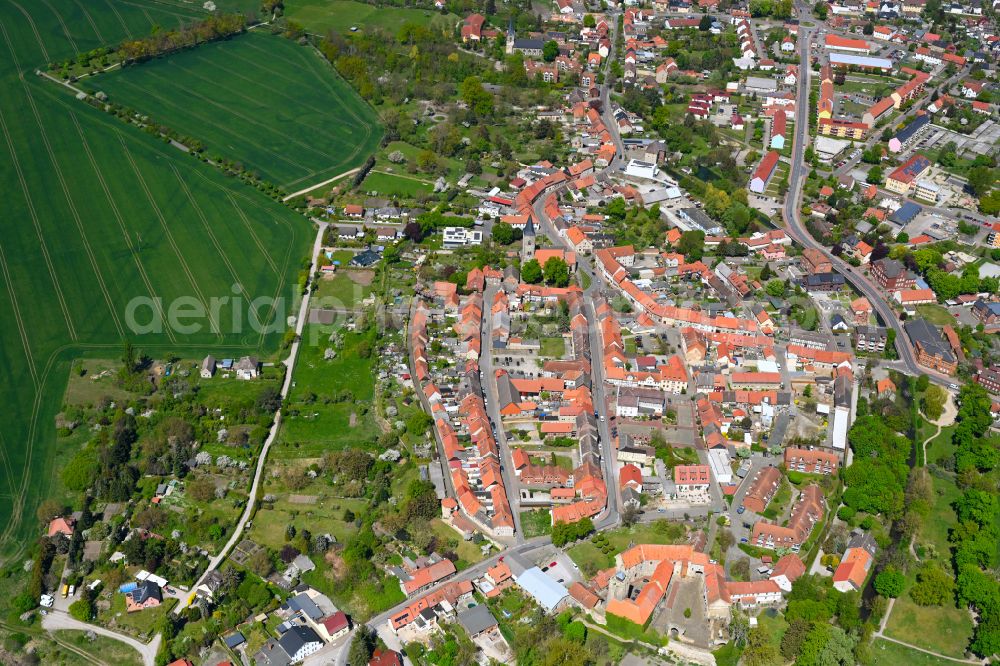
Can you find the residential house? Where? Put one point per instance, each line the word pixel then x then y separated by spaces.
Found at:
pixel 247 367
pixel 146 594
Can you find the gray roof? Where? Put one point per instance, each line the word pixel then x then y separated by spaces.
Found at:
pixel 297 637
pixel 871 332
pixel 146 590
pixel 905 213
pixel 891 267
pixel 302 602
pixel 864 540
pixel 506 393
pixel 842 391
pixel 233 640
pixel 533 44
pixel 476 620
pixel 271 654
pixel 922 331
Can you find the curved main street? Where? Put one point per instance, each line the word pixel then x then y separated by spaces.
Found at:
pixel 796 227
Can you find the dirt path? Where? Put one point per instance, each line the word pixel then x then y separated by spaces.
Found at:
pixel 978 662
pixel 947 419
pixel 58 621
pixel 325 182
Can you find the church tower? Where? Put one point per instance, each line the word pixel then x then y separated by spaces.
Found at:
pixel 510 36
pixel 528 240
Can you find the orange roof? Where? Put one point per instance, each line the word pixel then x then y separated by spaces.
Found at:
pixel 835 41
pixel 557 427
pixel 421 578
pixel 629 475
pixel 499 572
pixel 755 378
pixel 790 566
pixel 692 474
pixel 916 295
pixel 885 385
pixel 853 568
pixel 581 594
pixel 640 610
pixel 575 235
pixel 544 254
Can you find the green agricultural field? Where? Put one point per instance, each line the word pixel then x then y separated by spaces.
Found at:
pixel 257 99
pixel 322 16
pixel 97 215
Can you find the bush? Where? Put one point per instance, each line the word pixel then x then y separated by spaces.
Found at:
pixel 890 583
pixel 82 610
pixel 846 513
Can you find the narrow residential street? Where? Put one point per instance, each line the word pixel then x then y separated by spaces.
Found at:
pixel 59 621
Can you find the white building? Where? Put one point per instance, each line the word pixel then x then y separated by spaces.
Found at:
pixel 640 169
pixel 461 237
pixel 719 461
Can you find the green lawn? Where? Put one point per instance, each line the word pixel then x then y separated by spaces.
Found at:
pixel 258 99
pixel 910 623
pixel 935 314
pixel 934 529
pixel 341 15
pixel 346 289
pixel 591 559
pixel 324 515
pixel 448 539
pixel 396 184
pixel 674 456
pixel 140 623
pixel 101 648
pixel 940 447
pixel 97 216
pixel 456 168
pixel 887 653
pixel 329 406
pixel 536 522
pixel 554 347
pixel 780 500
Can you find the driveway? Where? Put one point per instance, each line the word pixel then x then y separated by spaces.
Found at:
pixel 59 621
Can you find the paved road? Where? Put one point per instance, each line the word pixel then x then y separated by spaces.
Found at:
pixel 796 227
pixel 610 516
pixel 262 458
pixel 59 621
pixel 332 654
